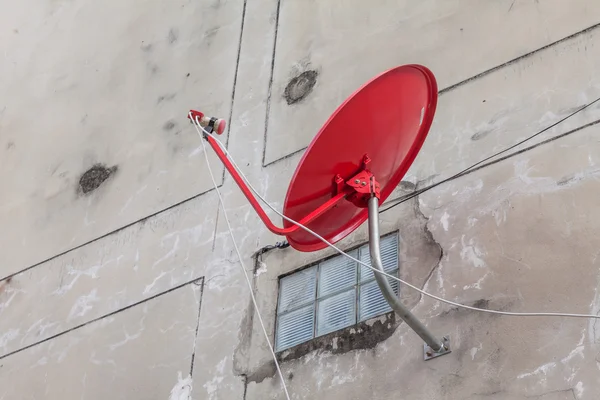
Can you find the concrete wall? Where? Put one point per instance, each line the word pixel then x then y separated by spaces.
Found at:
pixel 119 276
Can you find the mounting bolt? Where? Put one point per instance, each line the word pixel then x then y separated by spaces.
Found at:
pixel 364 183
pixel 356 181
pixel 429 353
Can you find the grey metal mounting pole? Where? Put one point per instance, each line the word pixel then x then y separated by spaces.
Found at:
pixel 433 347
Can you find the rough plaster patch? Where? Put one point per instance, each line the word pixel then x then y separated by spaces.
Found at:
pixel 42 361
pixel 578 389
pixel 524 184
pixel 474 350
pixel 83 304
pixel 444 220
pixel 261 270
pixel 38 329
pixel 91 272
pixel 476 285
pixel 593 331
pixel 545 368
pixel 541 369
pixel 170 253
pixel 213 385
pixel 8 337
pixel 345 375
pixel 182 389
pixel 149 288
pixel 129 337
pixel 12 292
pixel 471 253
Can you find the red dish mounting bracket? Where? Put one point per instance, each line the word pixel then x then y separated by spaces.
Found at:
pixel 363 185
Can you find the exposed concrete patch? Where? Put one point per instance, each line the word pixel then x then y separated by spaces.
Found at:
pixel 362 336
pixel 300 87
pixel 94 177
pixel 365 335
pixel 241 352
pixel 265 371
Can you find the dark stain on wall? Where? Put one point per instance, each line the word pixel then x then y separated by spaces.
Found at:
pixel 165 97
pixel 566 180
pixel 210 34
pixel 146 47
pixel 94 177
pixel 483 133
pixel 169 125
pixel 300 87
pixel 499 304
pixel 173 35
pixel 152 68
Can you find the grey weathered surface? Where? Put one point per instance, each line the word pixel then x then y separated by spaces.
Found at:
pixel 137 353
pixel 517 235
pixel 86 83
pixel 348 45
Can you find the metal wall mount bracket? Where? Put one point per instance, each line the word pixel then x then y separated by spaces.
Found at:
pixel 433 346
pixel 429 353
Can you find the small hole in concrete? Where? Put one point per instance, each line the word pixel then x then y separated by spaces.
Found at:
pixel 94 177
pixel 300 87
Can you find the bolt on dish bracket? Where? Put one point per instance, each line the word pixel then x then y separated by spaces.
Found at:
pixel 429 353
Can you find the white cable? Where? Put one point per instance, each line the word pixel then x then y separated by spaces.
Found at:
pixel 515 314
pixel 237 250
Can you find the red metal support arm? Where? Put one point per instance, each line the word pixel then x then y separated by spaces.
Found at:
pixel 259 210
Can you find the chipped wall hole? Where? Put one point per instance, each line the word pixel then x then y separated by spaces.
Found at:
pixel 94 177
pixel 300 87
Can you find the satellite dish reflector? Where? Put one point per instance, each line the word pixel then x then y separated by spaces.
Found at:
pixel 355 162
pixel 387 120
pixel 363 150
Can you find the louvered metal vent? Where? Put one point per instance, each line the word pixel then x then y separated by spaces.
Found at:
pixel 332 295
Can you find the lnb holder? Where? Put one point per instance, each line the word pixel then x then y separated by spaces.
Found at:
pixel 216 125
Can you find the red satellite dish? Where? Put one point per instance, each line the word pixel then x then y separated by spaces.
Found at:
pixel 354 163
pixel 364 149
pixel 387 119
